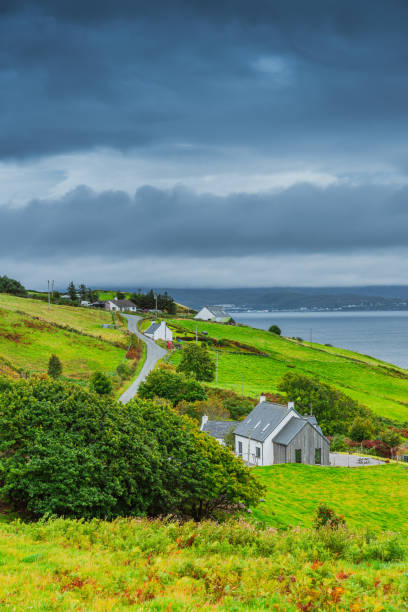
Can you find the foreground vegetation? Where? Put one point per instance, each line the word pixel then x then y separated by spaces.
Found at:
pixel 368 497
pixel 259 359
pixel 162 565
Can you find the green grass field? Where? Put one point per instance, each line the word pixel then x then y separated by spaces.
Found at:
pixel 376 384
pixel 153 565
pixel 29 334
pixel 28 344
pixel 373 497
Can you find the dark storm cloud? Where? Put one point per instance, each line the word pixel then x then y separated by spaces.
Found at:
pixel 302 219
pixel 283 76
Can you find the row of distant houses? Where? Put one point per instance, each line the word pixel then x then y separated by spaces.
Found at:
pixel 273 433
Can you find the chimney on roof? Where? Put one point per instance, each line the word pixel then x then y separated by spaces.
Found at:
pixel 262 398
pixel 204 420
pixel 291 405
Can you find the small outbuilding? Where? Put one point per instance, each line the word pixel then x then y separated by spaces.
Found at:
pixel 159 331
pixel 214 313
pixel 217 429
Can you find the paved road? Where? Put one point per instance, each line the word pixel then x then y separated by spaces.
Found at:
pixel 340 460
pixel 153 354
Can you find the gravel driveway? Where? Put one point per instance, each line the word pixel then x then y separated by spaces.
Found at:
pixel 153 354
pixel 340 460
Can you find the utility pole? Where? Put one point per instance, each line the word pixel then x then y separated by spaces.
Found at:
pixel 49 306
pixel 311 336
pixel 52 291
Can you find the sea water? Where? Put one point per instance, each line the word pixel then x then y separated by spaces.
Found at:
pixel 383 335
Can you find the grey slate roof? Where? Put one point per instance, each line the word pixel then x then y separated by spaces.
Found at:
pixel 152 328
pixel 218 429
pixel 261 422
pixel 218 312
pixel 122 303
pixel 289 431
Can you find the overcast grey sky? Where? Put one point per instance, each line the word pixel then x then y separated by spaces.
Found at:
pixel 213 143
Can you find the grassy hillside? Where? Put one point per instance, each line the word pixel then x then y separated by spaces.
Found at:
pixel 30 332
pixel 368 497
pixel 376 384
pixel 152 565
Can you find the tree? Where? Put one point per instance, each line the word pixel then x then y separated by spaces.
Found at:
pixel 69 452
pixel 71 290
pixel 172 386
pixel 12 286
pixel 120 295
pixel 361 429
pixel 54 367
pixel 82 291
pixel 391 438
pixel 334 410
pixel 274 329
pixel 196 361
pixel 100 383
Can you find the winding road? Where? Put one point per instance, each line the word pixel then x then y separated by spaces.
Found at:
pixel 153 354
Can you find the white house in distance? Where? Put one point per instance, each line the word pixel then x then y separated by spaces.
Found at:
pixel 273 433
pixel 116 305
pixel 213 313
pixel 159 331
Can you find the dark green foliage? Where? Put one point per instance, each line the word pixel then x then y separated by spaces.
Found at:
pixel 238 408
pixel 334 410
pixel 82 291
pixel 69 452
pixel 100 383
pixel 120 295
pixel 171 386
pixel 361 429
pixel 196 361
pixel 12 286
pixel 274 329
pixel 54 367
pixel 71 290
pixel 147 301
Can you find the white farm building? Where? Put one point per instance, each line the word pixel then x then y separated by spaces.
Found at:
pixel 159 331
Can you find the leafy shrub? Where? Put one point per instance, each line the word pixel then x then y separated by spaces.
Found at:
pixel 54 367
pixel 326 517
pixel 196 361
pixel 100 383
pixel 171 385
pixel 69 452
pixel 274 329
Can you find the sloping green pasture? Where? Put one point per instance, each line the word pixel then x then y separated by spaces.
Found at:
pixel 374 497
pixel 82 319
pixel 27 343
pixel 376 384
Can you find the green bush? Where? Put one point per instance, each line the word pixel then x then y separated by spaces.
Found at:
pixel 172 386
pixel 54 367
pixel 68 452
pixel 196 361
pixel 100 383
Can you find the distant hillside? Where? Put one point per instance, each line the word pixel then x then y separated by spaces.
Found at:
pixel 374 383
pixel 295 298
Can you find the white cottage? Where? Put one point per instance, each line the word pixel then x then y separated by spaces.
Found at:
pixel 213 313
pixel 116 305
pixel 159 331
pixel 273 433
